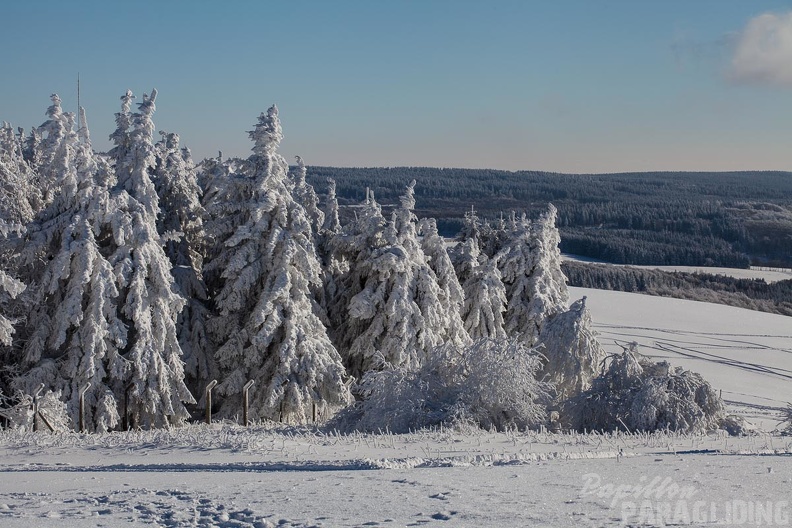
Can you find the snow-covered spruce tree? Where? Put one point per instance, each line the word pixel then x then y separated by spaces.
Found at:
pixel 51 151
pixel 74 333
pixel 176 182
pixel 572 354
pixel 530 265
pixel 148 298
pixel 181 223
pixel 490 383
pixel 466 254
pixel 305 195
pixel 134 152
pixel 397 312
pixel 453 296
pixel 30 149
pixel 341 249
pixel 636 394
pixel 267 329
pixel 19 197
pixel 482 284
pixel 493 235
pixel 485 299
pixel 10 288
pixel 332 223
pixel 333 265
pixel 227 194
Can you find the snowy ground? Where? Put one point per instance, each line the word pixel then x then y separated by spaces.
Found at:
pixel 225 475
pixel 745 354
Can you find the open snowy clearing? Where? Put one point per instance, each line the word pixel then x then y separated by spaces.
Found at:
pixel 229 476
pixel 745 354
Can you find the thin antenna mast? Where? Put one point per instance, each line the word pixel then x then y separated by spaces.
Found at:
pixel 78 101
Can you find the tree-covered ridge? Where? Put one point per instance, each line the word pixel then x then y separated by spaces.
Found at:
pixel 753 294
pixel 730 218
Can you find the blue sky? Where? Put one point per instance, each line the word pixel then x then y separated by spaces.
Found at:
pixel 568 86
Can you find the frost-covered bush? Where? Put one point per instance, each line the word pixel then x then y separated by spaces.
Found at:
pixel 788 419
pixel 636 394
pixel 18 411
pixel 490 383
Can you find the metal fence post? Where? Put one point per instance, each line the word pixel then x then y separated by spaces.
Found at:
pixel 246 401
pixel 208 399
pixel 82 405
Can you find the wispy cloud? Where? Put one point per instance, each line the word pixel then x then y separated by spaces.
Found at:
pixel 763 51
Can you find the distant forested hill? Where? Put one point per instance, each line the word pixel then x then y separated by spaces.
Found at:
pixel 666 218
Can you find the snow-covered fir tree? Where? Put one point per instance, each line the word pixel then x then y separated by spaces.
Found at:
pixel 31 151
pixel 396 312
pixel 52 151
pixel 466 254
pixel 344 248
pixel 305 195
pixel 74 334
pixel 530 264
pixel 227 194
pixel 485 299
pixel 149 301
pixel 267 326
pixel 181 223
pixel 452 294
pixel 19 197
pixel 134 151
pixel 573 356
pixel 10 288
pixel 332 223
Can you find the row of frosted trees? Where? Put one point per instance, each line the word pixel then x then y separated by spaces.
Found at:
pixel 134 277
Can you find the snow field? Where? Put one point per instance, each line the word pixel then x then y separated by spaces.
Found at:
pixel 745 354
pixel 225 475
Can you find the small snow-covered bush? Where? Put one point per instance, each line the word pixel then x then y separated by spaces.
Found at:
pixel 636 394
pixel 20 412
pixel 490 383
pixel 788 419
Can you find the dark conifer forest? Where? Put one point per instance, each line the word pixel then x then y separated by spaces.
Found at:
pixel 732 219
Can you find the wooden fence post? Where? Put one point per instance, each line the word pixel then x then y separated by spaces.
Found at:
pixel 127 425
pixel 35 406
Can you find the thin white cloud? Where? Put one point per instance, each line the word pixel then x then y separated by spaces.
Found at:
pixel 763 51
